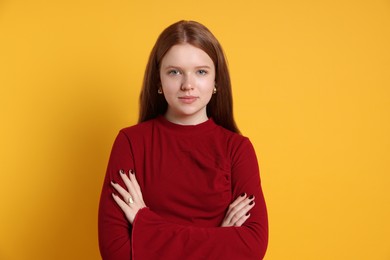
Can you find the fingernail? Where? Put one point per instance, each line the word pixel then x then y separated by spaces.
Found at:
pixel 242 194
pixel 131 171
pixel 251 203
pixel 251 197
pixel 121 171
pixel 247 214
pixel 113 194
pixel 113 182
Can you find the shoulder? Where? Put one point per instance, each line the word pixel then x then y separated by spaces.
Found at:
pixel 233 142
pixel 139 129
pixel 232 137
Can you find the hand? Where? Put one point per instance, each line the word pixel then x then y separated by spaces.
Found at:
pixel 238 211
pixel 131 201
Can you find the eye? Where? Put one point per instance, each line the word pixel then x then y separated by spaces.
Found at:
pixel 202 72
pixel 173 72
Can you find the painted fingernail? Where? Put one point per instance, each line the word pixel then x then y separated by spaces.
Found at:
pixel 121 171
pixel 251 197
pixel 247 214
pixel 242 194
pixel 113 182
pixel 131 171
pixel 251 203
pixel 113 194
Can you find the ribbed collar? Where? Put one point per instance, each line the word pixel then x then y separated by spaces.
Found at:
pixel 201 128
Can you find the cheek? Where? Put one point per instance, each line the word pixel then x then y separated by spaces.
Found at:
pixel 207 85
pixel 170 83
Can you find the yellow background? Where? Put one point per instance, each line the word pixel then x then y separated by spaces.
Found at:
pixel 311 82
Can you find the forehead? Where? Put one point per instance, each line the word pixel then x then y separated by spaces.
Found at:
pixel 186 55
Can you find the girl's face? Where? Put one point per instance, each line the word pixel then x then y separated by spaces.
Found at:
pixel 187 76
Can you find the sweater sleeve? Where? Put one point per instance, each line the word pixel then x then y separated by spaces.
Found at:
pixel 155 238
pixel 113 228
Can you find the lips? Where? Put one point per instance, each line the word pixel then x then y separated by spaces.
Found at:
pixel 188 99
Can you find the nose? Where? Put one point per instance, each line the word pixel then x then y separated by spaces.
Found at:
pixel 187 83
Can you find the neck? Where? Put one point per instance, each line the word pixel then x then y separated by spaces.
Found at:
pixel 186 120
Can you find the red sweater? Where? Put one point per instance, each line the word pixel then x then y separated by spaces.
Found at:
pixel 188 175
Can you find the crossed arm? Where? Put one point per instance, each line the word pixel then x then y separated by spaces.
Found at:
pixel 131 201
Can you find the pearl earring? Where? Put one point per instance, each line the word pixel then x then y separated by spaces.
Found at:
pixel 159 91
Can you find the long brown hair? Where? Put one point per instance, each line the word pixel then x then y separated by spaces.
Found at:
pixel 220 107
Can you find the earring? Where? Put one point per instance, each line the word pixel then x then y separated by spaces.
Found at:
pixel 214 90
pixel 159 91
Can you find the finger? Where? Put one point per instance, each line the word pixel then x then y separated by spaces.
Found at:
pixel 123 205
pixel 124 193
pixel 242 220
pixel 137 188
pixel 126 180
pixel 234 209
pixel 237 201
pixel 125 208
pixel 240 209
pixel 242 213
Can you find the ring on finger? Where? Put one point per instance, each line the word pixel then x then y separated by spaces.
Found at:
pixel 130 200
